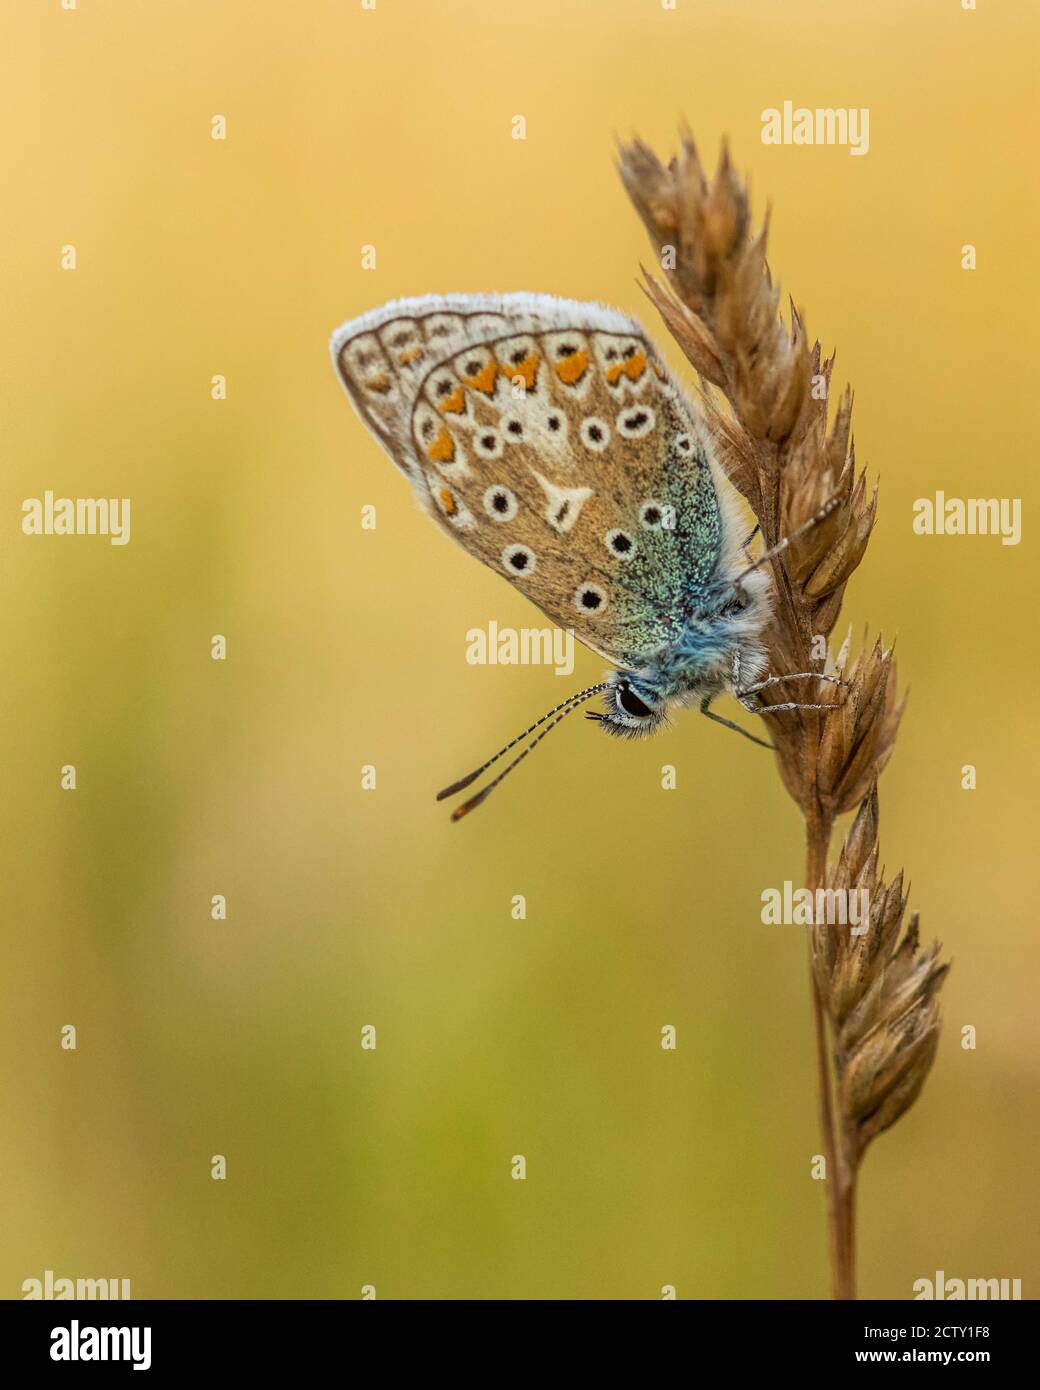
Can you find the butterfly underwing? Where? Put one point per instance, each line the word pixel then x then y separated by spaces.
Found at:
pixel 549 439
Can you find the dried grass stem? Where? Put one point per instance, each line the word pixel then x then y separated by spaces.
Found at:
pixel 765 392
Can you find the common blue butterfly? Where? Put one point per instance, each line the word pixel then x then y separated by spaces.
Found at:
pixel 548 438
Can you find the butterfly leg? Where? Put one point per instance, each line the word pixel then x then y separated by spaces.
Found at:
pixel 790 676
pixel 783 544
pixel 751 537
pixel 730 725
pixel 790 704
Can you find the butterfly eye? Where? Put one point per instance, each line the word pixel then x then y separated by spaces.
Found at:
pixel 632 704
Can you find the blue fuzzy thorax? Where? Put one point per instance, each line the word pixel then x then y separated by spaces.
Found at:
pixel 719 647
pixel 706 647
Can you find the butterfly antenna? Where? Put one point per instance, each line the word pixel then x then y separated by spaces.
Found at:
pixel 485 792
pixel 551 718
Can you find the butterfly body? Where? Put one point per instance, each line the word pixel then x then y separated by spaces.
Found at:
pixel 718 650
pixel 548 438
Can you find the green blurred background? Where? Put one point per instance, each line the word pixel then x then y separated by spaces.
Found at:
pixel 495 1037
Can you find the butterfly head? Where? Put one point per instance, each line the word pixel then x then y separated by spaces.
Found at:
pixel 635 705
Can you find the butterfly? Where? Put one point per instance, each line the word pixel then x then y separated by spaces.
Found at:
pixel 549 439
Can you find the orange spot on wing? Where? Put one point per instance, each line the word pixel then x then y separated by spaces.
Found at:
pixel 380 383
pixel 448 502
pixel 527 370
pixel 442 450
pixel 571 369
pixel 633 368
pixel 484 379
pixel 454 404
pixel 411 354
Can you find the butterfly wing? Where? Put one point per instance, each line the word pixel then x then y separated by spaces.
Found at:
pixel 547 438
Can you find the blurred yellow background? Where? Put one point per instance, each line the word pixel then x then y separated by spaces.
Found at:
pixel 198 257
